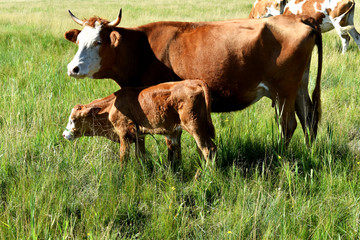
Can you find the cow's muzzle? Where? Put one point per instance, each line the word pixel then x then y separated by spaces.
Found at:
pixel 75 72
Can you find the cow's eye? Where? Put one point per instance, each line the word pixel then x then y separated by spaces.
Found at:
pixel 97 43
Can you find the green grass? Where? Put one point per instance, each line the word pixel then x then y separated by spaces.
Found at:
pixel 52 188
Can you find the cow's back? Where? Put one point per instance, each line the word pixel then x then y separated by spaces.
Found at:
pixel 233 57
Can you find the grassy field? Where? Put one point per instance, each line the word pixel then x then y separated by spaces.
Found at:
pixel 52 188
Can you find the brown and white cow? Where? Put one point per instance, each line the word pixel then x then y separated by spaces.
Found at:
pixel 267 8
pixel 240 60
pixel 329 14
pixel 165 109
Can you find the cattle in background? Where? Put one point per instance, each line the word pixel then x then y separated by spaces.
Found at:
pixel 329 14
pixel 164 109
pixel 240 60
pixel 267 8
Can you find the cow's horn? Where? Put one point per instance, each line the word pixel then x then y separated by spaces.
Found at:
pixel 117 21
pixel 78 21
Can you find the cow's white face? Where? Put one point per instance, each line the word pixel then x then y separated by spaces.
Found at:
pixel 87 60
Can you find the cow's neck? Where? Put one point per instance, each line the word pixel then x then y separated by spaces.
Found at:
pixel 141 67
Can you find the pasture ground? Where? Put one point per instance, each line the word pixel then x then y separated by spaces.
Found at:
pixel 51 188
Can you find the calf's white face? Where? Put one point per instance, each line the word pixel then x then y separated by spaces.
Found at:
pixel 78 124
pixel 87 60
pixel 67 134
pixel 82 122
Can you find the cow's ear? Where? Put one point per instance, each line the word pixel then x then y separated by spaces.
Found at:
pixel 115 38
pixel 72 35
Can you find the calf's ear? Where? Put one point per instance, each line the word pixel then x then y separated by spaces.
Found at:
pixel 72 35
pixel 115 38
pixel 78 107
pixel 94 110
pixel 89 111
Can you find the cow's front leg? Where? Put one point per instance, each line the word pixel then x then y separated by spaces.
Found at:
pixel 286 113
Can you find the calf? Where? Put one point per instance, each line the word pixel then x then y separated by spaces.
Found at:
pixel 165 109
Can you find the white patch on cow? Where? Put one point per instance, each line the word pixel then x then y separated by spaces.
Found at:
pixel 272 11
pixel 295 8
pixel 86 61
pixel 326 24
pixel 329 23
pixel 262 90
pixel 67 133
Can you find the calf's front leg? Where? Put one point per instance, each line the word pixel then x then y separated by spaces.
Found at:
pixel 140 147
pixel 173 143
pixel 124 150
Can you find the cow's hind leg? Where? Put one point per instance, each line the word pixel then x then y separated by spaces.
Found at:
pixel 304 108
pixel 345 39
pixel 286 111
pixel 353 33
pixel 344 25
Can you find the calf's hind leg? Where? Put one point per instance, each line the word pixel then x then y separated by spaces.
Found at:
pixel 173 143
pixel 206 149
pixel 205 146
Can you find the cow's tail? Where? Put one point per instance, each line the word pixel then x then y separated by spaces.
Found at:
pixel 317 92
pixel 316 30
pixel 208 100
